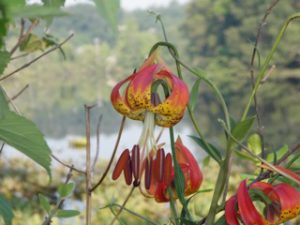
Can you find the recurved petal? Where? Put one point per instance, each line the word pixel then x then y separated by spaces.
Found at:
pixel 190 168
pixel 248 212
pixel 138 92
pixel 231 211
pixel 171 110
pixel 289 201
pixel 118 101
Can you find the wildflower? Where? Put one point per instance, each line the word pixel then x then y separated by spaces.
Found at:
pixel 142 100
pixel 161 185
pixel 282 203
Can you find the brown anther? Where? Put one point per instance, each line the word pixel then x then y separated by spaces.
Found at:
pixel 128 172
pixel 135 160
pixel 155 100
pixel 148 172
pixel 121 164
pixel 158 165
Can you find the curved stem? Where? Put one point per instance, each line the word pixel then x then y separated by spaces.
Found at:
pixel 122 206
pixel 203 76
pixel 112 157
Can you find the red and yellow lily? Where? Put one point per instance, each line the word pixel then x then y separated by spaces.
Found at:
pixel 161 184
pixel 141 100
pixel 283 204
pixel 159 172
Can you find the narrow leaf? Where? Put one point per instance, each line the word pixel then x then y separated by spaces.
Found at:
pixel 67 213
pixel 3 103
pixel 4 60
pixel 6 211
pixel 66 190
pixel 109 9
pixel 242 128
pixel 194 94
pixel 210 149
pixel 23 134
pixel 44 202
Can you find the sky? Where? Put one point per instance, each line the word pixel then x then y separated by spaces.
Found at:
pixel 130 4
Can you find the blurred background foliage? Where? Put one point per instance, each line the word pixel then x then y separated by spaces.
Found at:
pixel 214 35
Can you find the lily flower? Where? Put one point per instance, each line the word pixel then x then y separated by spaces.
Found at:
pixel 138 97
pixel 160 174
pixel 282 203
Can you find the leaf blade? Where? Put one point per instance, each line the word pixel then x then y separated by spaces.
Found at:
pixel 6 211
pixel 22 134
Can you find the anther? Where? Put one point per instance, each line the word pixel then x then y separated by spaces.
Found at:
pixel 158 165
pixel 135 160
pixel 148 172
pixel 155 100
pixel 168 169
pixel 128 172
pixel 121 164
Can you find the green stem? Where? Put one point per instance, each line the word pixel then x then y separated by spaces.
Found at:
pixel 203 76
pixel 173 207
pixel 179 178
pixel 219 187
pixel 266 63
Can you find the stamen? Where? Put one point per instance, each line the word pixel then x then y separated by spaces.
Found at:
pixel 136 162
pixel 128 172
pixel 148 172
pixel 121 164
pixel 168 169
pixel 147 140
pixel 155 100
pixel 158 165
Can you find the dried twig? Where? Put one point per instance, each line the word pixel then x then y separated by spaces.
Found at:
pixel 22 35
pixel 97 144
pixel 19 93
pixel 37 58
pixel 112 156
pixel 66 165
pixel 88 178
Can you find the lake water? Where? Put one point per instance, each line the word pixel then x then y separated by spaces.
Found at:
pixel 62 149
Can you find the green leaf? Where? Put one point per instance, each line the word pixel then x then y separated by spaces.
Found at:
pixel 245 156
pixel 210 149
pixel 50 40
pixel 66 190
pixel 23 134
pixel 44 202
pixel 67 213
pixel 240 130
pixel 221 221
pixel 109 9
pixel 206 160
pixel 194 94
pixel 4 60
pixel 275 155
pixel 6 211
pixel 4 108
pixel 32 44
pixel 254 143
